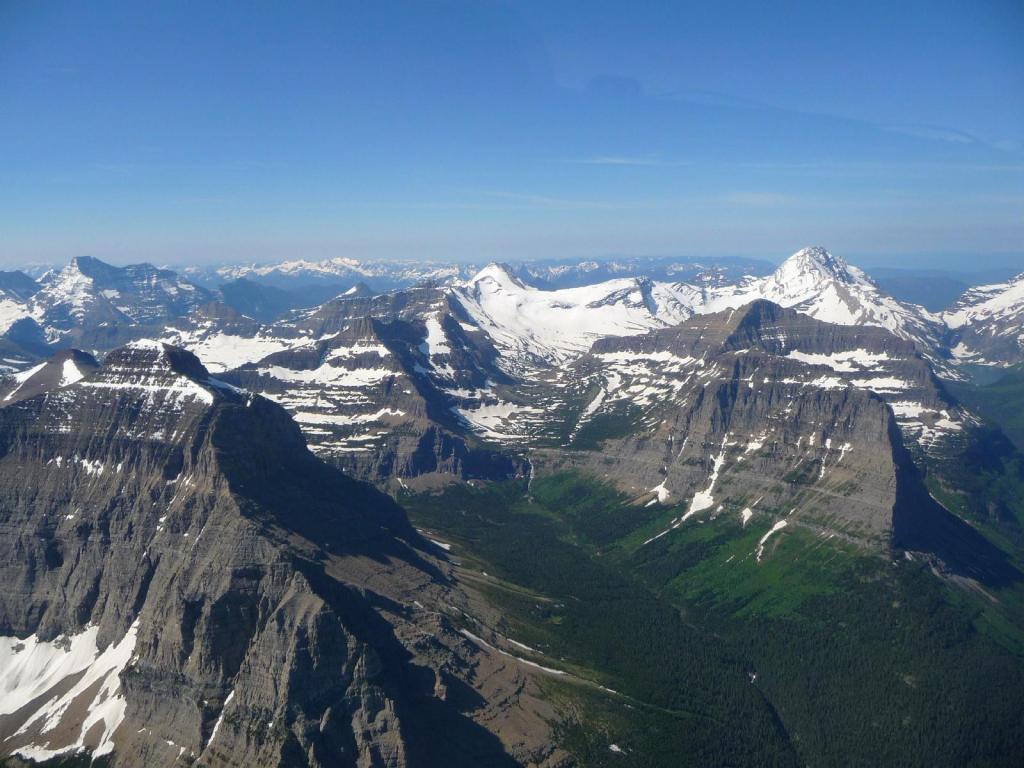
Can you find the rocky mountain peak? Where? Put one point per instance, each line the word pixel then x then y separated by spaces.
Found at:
pixel 496 275
pixel 92 267
pixel 149 366
pixel 813 263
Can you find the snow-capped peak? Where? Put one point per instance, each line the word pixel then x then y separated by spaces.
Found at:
pixel 815 262
pixel 498 275
pixel 824 286
pixel 988 323
pixel 530 324
pixel 988 302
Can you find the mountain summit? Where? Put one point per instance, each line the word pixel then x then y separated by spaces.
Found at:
pixel 823 286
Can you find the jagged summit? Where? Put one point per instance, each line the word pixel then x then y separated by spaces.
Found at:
pixel 497 274
pixel 92 267
pixel 817 259
pixel 823 286
pixel 809 274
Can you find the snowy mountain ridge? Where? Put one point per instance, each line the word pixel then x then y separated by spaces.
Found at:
pixel 558 325
pixel 530 322
pixel 823 286
pixel 988 322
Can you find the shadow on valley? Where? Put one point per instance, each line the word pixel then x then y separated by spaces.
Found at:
pixel 921 524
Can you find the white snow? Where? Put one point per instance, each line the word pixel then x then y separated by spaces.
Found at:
pixel 774 529
pixel 11 312
pixel 847 362
pixel 22 377
pixel 988 303
pixel 907 409
pixel 329 374
pixel 883 384
pixel 221 351
pixel 703 499
pixel 184 387
pixel 492 420
pixel 359 348
pixel 756 443
pixel 70 373
pixel 556 326
pixel 436 342
pixel 31 670
pixel 523 646
pixel 484 644
pixel 220 718
pixel 662 493
pixel 307 417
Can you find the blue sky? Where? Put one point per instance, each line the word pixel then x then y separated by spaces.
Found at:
pixel 193 131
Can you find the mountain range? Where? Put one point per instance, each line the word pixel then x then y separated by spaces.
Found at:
pixel 562 514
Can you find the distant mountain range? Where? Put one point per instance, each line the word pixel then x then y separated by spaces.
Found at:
pixel 622 485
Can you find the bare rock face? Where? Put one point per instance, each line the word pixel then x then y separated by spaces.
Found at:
pixel 186 583
pixel 720 424
pixel 374 381
pixel 763 410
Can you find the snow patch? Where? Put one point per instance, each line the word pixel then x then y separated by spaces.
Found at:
pixel 34 671
pixel 774 529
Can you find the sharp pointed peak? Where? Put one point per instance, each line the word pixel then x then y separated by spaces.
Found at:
pixel 87 264
pixel 819 258
pixel 499 272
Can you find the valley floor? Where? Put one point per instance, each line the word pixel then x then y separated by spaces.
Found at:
pixel 693 650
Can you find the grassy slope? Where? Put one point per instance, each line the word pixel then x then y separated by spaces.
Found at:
pixel 862 660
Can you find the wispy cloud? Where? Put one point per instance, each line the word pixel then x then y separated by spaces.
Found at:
pixel 152 167
pixel 546 201
pixel 761 199
pixel 930 132
pixel 642 161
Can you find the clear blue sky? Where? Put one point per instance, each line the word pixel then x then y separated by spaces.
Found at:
pixel 198 131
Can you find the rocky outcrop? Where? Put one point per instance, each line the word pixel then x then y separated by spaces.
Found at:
pixel 186 583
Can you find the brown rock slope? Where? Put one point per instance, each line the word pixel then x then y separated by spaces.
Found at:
pixel 185 583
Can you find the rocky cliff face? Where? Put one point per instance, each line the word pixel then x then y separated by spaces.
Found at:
pixel 764 410
pixel 716 422
pixel 186 584
pixel 377 382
